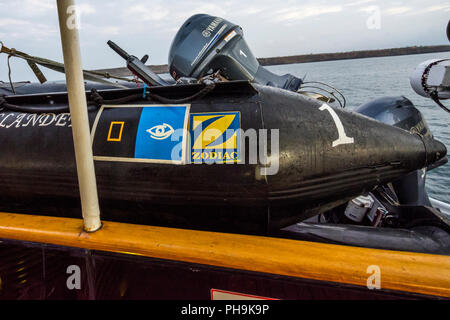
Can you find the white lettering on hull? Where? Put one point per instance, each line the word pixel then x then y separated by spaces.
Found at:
pixel 21 120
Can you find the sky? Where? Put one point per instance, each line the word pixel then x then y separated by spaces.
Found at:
pixel 271 28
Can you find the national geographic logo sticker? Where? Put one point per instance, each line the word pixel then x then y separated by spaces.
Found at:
pixel 141 133
pixel 215 137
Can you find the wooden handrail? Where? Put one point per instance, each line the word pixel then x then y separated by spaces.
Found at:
pixel 402 271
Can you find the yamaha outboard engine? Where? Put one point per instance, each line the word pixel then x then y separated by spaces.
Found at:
pixel 206 44
pixel 396 111
pixel 400 112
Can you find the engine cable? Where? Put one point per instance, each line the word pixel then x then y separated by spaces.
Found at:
pixel 95 99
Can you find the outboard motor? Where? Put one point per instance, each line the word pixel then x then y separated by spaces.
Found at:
pixel 396 111
pixel 206 44
pixel 400 112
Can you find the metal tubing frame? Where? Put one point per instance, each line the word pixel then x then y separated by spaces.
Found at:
pixel 68 25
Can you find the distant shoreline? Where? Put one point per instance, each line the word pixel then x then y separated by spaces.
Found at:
pixel 318 57
pixel 352 55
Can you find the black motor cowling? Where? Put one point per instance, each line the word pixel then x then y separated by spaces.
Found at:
pixel 400 112
pixel 206 44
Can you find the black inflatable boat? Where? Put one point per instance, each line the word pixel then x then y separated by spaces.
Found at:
pixel 228 146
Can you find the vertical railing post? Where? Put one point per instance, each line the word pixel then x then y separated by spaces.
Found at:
pixel 68 25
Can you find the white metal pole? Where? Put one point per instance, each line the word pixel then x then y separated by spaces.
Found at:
pixel 68 25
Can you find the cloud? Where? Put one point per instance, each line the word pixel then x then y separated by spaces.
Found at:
pixel 397 10
pixel 303 12
pixel 369 9
pixel 445 7
pixel 86 8
pixel 28 8
pixel 25 29
pixel 4 22
pixel 358 3
pixel 103 30
pixel 33 7
pixel 145 13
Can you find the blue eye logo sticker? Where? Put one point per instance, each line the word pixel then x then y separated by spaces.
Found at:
pixel 161 132
pixel 158 135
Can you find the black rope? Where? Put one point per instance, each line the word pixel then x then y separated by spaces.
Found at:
pixel 207 89
pixel 9 75
pixel 434 96
pixel 12 107
pixel 95 99
pixel 98 100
